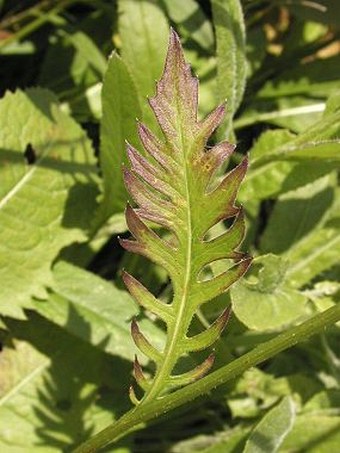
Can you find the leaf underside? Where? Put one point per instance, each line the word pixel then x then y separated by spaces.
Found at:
pixel 173 187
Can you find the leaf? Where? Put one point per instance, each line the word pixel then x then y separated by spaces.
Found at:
pixel 50 388
pixel 231 56
pixel 88 50
pixel 226 441
pixel 143 29
pixel 256 390
pixel 120 109
pixel 319 433
pixel 271 177
pixel 72 62
pixel 325 400
pixel 317 79
pixel 269 434
pixel 297 214
pixel 191 21
pixel 317 251
pixel 173 187
pixel 320 141
pixel 81 297
pixel 266 300
pixel 41 196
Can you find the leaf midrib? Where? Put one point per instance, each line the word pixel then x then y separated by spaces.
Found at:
pixel 170 348
pixel 27 176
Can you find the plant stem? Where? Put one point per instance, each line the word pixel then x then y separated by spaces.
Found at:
pixel 137 417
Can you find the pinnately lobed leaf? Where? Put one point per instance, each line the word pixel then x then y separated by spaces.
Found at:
pixel 172 187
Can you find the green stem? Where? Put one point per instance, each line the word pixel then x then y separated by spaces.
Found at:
pixel 137 417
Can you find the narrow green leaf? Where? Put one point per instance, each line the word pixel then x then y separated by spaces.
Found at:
pixel 41 196
pixel 144 29
pixel 269 434
pixel 231 56
pixel 120 108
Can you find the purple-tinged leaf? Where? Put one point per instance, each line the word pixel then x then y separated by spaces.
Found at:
pixel 207 338
pixel 219 204
pixel 212 288
pixel 149 173
pixel 173 185
pixel 132 395
pixel 142 296
pixel 148 243
pixel 176 95
pixel 143 344
pixel 155 147
pixel 225 245
pixel 147 199
pixel 195 374
pixel 139 375
pixel 214 158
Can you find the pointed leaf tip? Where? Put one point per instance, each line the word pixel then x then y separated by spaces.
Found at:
pixel 133 398
pixel 143 344
pixel 139 375
pixel 193 375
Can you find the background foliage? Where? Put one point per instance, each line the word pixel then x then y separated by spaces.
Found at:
pixel 65 363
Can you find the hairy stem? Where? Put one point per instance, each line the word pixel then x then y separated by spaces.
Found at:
pixel 136 418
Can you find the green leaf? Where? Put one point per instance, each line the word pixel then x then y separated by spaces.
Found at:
pixel 174 187
pixel 268 178
pixel 317 79
pixel 88 50
pixel 269 434
pixel 72 62
pixel 50 397
pixel 327 400
pixel 320 141
pixel 226 441
pixel 143 29
pixel 41 197
pixel 120 108
pixel 256 390
pixel 81 297
pixel 319 433
pixel 266 299
pixel 191 21
pixel 296 214
pixel 317 252
pixel 231 56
